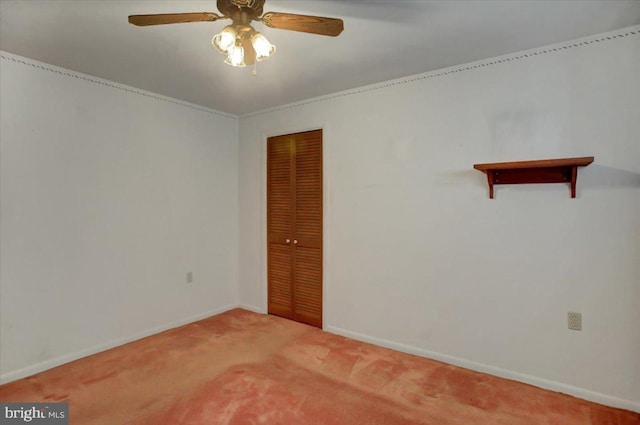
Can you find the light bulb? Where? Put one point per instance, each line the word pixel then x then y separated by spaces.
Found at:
pixel 236 56
pixel 225 40
pixel 261 45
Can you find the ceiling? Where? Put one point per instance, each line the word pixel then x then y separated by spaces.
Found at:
pixel 382 40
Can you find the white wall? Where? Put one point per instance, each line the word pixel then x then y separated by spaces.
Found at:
pixel 109 196
pixel 417 257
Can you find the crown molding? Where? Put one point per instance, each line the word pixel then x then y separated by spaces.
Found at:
pixel 468 67
pixel 10 57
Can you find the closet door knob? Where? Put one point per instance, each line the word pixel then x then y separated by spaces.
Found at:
pixel 288 240
pixel 295 242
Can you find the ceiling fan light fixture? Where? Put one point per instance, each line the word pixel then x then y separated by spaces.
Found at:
pixel 225 40
pixel 261 45
pixel 240 42
pixel 235 56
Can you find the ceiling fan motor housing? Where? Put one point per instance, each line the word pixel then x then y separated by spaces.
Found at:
pixel 250 9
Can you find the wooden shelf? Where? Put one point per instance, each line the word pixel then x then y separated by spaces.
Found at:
pixel 562 170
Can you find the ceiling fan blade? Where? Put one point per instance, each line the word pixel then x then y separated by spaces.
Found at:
pixel 303 23
pixel 173 18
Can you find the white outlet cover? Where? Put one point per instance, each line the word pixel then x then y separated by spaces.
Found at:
pixel 574 321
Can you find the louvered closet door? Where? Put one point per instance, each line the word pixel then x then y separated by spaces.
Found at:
pixel 280 210
pixel 295 229
pixel 307 259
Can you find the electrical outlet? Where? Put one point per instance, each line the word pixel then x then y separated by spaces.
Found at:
pixel 189 277
pixel 575 321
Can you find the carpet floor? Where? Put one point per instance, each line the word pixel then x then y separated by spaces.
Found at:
pixel 241 368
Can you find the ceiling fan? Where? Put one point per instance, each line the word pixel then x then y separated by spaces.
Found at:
pixel 242 44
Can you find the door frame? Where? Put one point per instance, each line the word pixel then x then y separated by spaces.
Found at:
pixel 325 205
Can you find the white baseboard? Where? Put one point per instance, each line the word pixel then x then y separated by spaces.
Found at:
pixel 582 393
pixel 468 364
pixel 48 364
pixel 252 308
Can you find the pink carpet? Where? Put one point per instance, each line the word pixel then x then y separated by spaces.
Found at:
pixel 245 368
